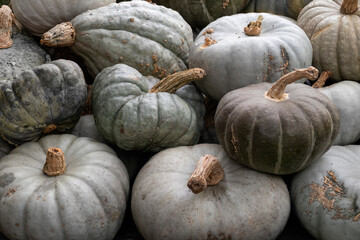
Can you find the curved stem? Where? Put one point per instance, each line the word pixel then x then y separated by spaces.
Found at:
pixel 349 6
pixel 208 172
pixel 254 27
pixel 276 92
pixel 62 35
pixel 173 82
pixel 322 79
pixel 55 162
pixel 6 19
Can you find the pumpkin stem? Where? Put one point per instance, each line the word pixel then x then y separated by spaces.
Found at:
pixel 55 162
pixel 62 35
pixel 208 171
pixel 277 91
pixel 173 82
pixel 322 79
pixel 349 6
pixel 254 27
pixel 49 128
pixel 6 19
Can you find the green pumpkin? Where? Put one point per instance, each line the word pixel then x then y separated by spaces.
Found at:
pixel 131 117
pixel 48 97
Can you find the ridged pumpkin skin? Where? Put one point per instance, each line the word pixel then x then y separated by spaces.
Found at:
pixel 127 115
pixel 87 201
pixel 334 38
pixel 153 39
pixel 276 137
pixel 326 195
pixel 38 16
pixel 237 60
pixel 51 93
pixel 246 204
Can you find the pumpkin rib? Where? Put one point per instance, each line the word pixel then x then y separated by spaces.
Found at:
pixel 338 49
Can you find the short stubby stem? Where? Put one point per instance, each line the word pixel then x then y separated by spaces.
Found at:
pixel 62 35
pixel 254 27
pixel 55 162
pixel 349 6
pixel 6 20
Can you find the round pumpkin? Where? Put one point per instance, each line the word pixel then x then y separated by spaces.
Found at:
pixel 49 97
pixel 233 202
pixel 153 39
pixel 233 59
pixel 38 16
pixel 326 195
pixel 133 118
pixel 277 128
pixel 85 199
pixel 331 26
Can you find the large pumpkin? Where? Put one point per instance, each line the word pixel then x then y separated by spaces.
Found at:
pixel 332 27
pixel 277 128
pixel 234 59
pixel 133 118
pixel 153 39
pixel 326 195
pixel 49 97
pixel 41 198
pixel 38 16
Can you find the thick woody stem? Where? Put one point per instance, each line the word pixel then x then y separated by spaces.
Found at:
pixel 322 79
pixel 254 27
pixel 349 6
pixel 6 19
pixel 55 162
pixel 173 82
pixel 62 35
pixel 208 172
pixel 277 91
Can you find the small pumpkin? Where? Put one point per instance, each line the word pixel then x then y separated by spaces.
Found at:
pixel 325 195
pixel 131 112
pixel 82 194
pixel 235 57
pixel 49 97
pixel 220 199
pixel 331 26
pixel 153 39
pixel 277 128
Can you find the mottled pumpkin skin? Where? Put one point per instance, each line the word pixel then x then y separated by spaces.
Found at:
pixel 127 115
pixel 237 60
pixel 276 137
pixel 246 204
pixel 52 93
pixel 326 195
pixel 334 37
pixel 87 201
pixel 153 39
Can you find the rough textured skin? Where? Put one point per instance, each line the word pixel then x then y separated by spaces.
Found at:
pixel 153 39
pixel 88 201
pixel 334 37
pixel 127 115
pixel 326 195
pixel 52 93
pixel 246 204
pixel 23 55
pixel 346 97
pixel 5 148
pixel 276 137
pixel 38 16
pixel 237 60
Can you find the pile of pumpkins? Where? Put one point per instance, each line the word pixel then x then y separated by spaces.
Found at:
pixel 199 119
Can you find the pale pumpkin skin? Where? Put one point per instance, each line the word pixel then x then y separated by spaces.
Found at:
pixel 237 60
pixel 326 195
pixel 334 38
pixel 87 201
pixel 246 204
pixel 38 16
pixel 127 115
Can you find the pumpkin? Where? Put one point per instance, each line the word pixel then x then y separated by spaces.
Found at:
pixel 331 26
pixel 86 127
pixel 233 59
pixel 153 39
pixel 220 199
pixel 326 195
pixel 134 115
pixel 5 148
pixel 277 128
pixel 38 16
pixel 49 97
pixel 82 194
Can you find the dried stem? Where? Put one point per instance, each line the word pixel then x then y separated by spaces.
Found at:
pixel 254 27
pixel 62 35
pixel 322 79
pixel 6 19
pixel 349 6
pixel 55 162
